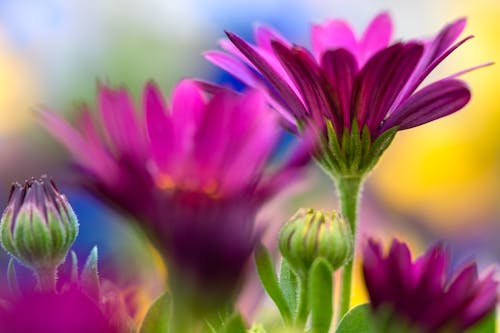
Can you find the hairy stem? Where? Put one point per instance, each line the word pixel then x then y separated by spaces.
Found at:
pixel 349 192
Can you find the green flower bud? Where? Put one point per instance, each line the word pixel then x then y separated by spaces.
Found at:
pixel 38 226
pixel 311 234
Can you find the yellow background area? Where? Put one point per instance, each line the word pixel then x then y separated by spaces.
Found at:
pixel 18 93
pixel 447 172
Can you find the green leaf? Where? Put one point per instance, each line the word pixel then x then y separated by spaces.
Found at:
pixel 320 296
pixel 90 275
pixel 358 320
pixel 158 315
pixel 288 285
pixel 267 275
pixel 234 325
pixel 486 325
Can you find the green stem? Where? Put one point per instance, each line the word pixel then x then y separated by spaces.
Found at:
pixel 303 306
pixel 349 192
pixel 46 279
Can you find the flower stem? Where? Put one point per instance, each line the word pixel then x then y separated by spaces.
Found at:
pixel 46 279
pixel 349 192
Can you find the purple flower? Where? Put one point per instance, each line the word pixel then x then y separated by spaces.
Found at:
pixel 194 172
pixel 352 89
pixel 423 292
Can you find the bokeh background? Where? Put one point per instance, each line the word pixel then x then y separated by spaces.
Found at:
pixel 438 182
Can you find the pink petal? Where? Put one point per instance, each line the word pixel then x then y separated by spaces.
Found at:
pixel 376 37
pixel 264 35
pixel 331 35
pixel 233 66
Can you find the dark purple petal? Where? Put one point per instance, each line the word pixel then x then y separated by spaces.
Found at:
pixel 381 80
pixel 233 66
pixel 279 83
pixel 340 68
pixel 432 102
pixel 313 87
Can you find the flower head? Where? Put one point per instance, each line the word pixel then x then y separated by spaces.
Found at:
pixel 422 292
pixel 194 172
pixel 356 92
pixel 38 225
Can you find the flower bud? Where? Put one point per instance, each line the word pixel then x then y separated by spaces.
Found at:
pixel 38 226
pixel 311 234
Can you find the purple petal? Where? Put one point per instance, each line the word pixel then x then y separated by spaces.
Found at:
pixel 159 126
pixel 119 119
pixel 278 82
pixel 311 84
pixel 381 80
pixel 484 301
pixel 446 37
pixel 376 37
pixel 264 35
pixel 233 66
pixel 340 68
pixel 432 102
pixel 332 35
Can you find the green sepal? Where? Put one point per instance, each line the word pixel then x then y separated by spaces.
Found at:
pixel 486 325
pixel 157 318
pixel 355 147
pixel 358 320
pixel 12 281
pixel 234 324
pixel 6 232
pixel 41 242
pixel 288 284
pixel 267 275
pixel 377 149
pixel 320 295
pixel 90 275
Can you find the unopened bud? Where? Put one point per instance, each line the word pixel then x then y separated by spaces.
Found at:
pixel 38 226
pixel 311 234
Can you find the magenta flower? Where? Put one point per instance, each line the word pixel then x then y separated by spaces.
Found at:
pixel 353 90
pixel 423 292
pixel 194 172
pixel 70 311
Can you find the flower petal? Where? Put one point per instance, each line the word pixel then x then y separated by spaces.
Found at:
pixel 340 68
pixel 432 102
pixel 376 37
pixel 279 83
pixel 333 34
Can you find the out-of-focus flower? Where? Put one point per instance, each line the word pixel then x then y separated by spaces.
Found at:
pixel 38 227
pixel 70 311
pixel 193 173
pixel 355 91
pixel 422 292
pixel 311 234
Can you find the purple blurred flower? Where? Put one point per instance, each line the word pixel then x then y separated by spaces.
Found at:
pixel 71 311
pixel 423 292
pixel 194 172
pixel 346 83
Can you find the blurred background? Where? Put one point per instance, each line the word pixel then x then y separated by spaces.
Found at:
pixel 438 182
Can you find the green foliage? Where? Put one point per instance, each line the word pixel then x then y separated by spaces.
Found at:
pixel 288 285
pixel 158 316
pixel 267 275
pixel 90 275
pixel 234 325
pixel 358 320
pixel 320 296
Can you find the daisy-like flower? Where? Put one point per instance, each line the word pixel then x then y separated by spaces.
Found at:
pixel 357 92
pixel 423 293
pixel 193 172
